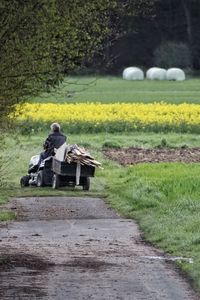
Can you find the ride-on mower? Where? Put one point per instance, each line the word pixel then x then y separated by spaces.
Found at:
pixel 55 173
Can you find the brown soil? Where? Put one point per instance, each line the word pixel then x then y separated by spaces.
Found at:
pixel 89 263
pixel 10 261
pixel 131 156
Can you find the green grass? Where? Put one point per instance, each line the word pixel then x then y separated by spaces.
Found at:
pixel 115 89
pixel 6 215
pixel 163 198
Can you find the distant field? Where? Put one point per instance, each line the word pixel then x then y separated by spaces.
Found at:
pixel 115 89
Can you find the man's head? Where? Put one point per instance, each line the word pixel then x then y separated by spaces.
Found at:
pixel 55 127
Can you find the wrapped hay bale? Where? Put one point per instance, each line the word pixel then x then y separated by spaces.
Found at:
pixel 133 73
pixel 175 74
pixel 149 71
pixel 156 74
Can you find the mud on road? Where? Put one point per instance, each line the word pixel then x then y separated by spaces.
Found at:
pixel 77 248
pixel 131 156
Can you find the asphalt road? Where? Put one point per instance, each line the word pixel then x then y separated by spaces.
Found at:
pixel 77 248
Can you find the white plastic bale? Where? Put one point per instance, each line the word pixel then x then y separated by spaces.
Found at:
pixel 126 71
pixel 149 71
pixel 175 74
pixel 133 73
pixel 157 74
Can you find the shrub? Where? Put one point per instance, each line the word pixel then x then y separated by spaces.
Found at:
pixel 173 54
pixel 163 144
pixel 111 144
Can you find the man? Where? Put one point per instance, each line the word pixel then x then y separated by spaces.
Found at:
pixel 54 140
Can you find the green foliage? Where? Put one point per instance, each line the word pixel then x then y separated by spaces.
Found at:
pixel 157 22
pixel 140 7
pixel 42 40
pixel 4 162
pixel 173 54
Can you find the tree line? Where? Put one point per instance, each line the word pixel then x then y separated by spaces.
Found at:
pixel 166 34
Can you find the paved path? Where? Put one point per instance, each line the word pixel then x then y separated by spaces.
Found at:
pixel 77 248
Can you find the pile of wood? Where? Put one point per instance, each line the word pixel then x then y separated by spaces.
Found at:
pixel 77 154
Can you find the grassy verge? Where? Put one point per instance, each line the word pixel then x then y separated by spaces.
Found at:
pixel 163 198
pixel 19 148
pixel 6 215
pixel 115 89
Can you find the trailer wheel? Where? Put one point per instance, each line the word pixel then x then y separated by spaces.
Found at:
pixel 40 179
pixel 24 181
pixel 56 181
pixel 86 185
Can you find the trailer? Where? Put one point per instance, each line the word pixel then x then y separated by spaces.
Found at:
pixel 71 174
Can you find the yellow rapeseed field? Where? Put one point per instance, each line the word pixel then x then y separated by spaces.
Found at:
pixel 97 113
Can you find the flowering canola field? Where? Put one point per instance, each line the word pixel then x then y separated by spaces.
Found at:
pixel 127 116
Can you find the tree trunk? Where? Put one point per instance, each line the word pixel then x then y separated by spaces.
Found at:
pixel 187 10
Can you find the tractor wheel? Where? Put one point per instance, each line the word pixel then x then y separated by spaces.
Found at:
pixel 40 179
pixel 24 181
pixel 56 181
pixel 86 185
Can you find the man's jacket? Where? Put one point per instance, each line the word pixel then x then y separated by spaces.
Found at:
pixel 54 140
